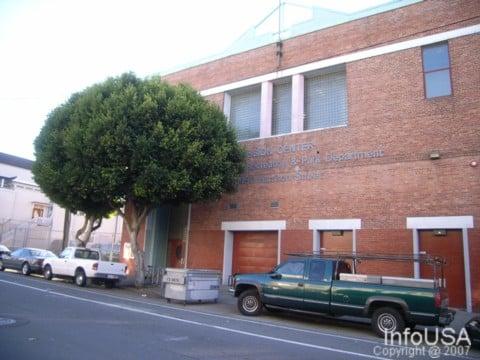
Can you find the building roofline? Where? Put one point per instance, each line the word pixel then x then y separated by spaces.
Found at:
pixel 15 161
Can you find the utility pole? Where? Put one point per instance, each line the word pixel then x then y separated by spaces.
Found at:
pixel 66 229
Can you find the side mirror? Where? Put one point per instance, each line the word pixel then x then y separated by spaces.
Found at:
pixel 276 276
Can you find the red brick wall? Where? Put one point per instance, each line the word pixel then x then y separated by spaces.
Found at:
pixel 205 249
pixel 387 111
pixel 415 20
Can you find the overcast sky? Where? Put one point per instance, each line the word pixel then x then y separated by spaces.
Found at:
pixel 52 48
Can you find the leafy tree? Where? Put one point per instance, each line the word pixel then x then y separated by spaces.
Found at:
pixel 60 170
pixel 141 143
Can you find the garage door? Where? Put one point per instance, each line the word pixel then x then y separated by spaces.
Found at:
pixel 450 247
pixel 254 251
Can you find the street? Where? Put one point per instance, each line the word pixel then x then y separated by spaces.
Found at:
pixel 56 320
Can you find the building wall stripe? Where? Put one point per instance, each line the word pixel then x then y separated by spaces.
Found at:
pixel 342 59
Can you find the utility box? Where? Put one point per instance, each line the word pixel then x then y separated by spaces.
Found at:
pixel 189 285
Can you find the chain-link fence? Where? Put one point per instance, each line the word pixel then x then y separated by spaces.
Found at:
pixel 17 234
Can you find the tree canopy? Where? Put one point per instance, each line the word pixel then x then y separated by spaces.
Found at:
pixel 141 142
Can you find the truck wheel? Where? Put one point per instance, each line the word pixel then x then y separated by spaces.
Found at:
pixel 47 272
pixel 387 320
pixel 80 278
pixel 249 303
pixel 1 266
pixel 26 269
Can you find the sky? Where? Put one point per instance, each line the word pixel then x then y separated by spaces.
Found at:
pixel 50 49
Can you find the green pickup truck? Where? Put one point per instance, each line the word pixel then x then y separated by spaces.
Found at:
pixel 328 285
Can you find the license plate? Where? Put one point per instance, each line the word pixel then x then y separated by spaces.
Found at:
pixel 112 277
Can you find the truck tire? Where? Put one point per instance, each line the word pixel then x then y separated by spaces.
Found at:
pixel 80 278
pixel 387 320
pixel 249 303
pixel 1 266
pixel 47 272
pixel 26 268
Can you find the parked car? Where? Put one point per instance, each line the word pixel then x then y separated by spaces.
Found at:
pixel 327 285
pixel 4 251
pixel 27 260
pixel 473 330
pixel 82 264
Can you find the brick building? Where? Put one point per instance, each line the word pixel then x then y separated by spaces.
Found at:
pixel 363 135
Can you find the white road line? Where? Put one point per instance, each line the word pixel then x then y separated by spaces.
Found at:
pixel 221 328
pixel 283 327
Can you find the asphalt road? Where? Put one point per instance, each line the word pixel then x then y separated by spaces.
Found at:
pixel 57 320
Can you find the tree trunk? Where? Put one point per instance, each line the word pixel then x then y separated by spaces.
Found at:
pixel 133 223
pixel 83 234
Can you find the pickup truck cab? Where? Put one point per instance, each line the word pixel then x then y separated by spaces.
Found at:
pixel 325 285
pixel 82 264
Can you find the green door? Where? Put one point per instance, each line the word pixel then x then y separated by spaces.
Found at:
pixel 286 287
pixel 318 286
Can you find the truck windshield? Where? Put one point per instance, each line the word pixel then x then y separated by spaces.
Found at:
pixel 86 254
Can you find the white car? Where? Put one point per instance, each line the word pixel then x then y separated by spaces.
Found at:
pixel 84 264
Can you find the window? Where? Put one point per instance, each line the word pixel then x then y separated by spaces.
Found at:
pixel 245 112
pixel 86 254
pixel 436 70
pixel 65 253
pixel 6 183
pixel 282 108
pixel 317 271
pixel 326 99
pixel 292 269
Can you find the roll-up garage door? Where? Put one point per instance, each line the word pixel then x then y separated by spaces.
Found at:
pixel 254 251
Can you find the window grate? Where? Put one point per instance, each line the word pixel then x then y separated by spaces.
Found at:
pixel 282 108
pixel 326 100
pixel 245 113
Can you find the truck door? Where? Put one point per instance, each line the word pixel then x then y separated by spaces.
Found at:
pixel 286 287
pixel 318 286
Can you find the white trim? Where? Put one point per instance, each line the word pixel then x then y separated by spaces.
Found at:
pixel 254 225
pixel 416 250
pixel 445 222
pixel 466 266
pixel 227 256
pixel 279 246
pixel 227 104
pixel 355 56
pixel 440 222
pixel 317 241
pixel 335 224
pixel 266 109
pixel 298 90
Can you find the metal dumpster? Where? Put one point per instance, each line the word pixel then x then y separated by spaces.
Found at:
pixel 189 285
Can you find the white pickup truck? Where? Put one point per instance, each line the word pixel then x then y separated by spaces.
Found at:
pixel 84 264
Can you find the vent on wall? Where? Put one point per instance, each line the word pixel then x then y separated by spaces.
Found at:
pixel 274 204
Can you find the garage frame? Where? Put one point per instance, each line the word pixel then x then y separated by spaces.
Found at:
pixel 231 226
pixel 444 222
pixel 319 225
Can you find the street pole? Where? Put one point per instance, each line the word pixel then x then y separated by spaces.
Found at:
pixel 66 229
pixel 114 237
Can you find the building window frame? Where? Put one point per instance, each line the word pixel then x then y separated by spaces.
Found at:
pixel 436 70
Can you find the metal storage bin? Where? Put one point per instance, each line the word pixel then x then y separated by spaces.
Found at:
pixel 189 285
